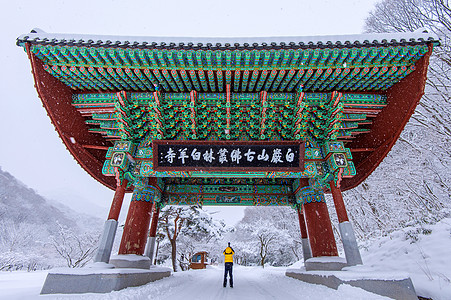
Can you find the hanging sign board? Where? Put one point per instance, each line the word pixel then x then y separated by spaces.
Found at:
pixel 240 156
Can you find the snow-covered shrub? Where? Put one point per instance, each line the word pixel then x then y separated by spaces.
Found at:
pixel 267 235
pixel 77 249
pixel 14 261
pixel 412 186
pixel 186 230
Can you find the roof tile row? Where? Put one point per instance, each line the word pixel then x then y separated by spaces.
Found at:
pixel 421 36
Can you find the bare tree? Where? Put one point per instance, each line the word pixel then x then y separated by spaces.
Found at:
pixel 191 222
pixel 265 235
pixel 15 236
pixel 172 219
pixel 266 239
pixel 413 183
pixel 76 249
pixel 434 16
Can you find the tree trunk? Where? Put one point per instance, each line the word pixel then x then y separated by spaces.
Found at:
pixel 262 254
pixel 174 255
pixel 156 253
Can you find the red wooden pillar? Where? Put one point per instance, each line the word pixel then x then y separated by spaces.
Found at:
pixel 306 251
pixel 109 229
pixel 319 227
pixel 154 224
pixel 150 248
pixel 134 237
pixel 302 224
pixel 348 239
pixel 118 198
pixel 339 204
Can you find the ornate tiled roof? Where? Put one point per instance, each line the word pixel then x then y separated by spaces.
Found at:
pixel 370 62
pixel 354 89
pixel 37 36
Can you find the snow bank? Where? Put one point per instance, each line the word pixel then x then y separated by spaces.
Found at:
pixel 129 257
pixel 326 259
pixel 249 283
pixel 420 252
pixel 88 271
pixel 423 252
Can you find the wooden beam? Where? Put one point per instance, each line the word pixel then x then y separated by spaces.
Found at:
pixel 362 149
pixel 95 147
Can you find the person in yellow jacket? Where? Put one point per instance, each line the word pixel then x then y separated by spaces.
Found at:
pixel 228 262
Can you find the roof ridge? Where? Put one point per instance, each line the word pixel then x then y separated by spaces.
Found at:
pixel 420 36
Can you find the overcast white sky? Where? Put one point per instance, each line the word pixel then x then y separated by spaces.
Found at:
pixel 31 150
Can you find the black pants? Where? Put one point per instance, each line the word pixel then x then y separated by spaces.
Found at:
pixel 228 269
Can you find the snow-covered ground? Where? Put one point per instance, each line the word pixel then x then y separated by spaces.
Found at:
pixel 422 252
pixel 249 283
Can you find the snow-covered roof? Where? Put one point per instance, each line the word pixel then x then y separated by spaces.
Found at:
pixel 420 36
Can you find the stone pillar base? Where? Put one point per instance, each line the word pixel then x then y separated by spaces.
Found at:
pixel 306 251
pixel 325 263
pixel 350 246
pixel 106 241
pixel 150 248
pixel 78 281
pixel 390 284
pixel 130 261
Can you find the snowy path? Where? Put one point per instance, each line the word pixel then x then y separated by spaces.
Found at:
pixel 250 283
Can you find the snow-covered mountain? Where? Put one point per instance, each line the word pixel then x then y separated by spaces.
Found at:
pixel 30 226
pixel 20 204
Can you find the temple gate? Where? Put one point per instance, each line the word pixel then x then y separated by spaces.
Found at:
pixel 229 121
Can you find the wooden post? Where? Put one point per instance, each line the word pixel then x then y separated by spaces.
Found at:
pixel 110 227
pixel 152 235
pixel 307 252
pixel 118 198
pixel 153 227
pixel 350 246
pixel 302 224
pixel 319 227
pixel 134 237
pixel 135 230
pixel 339 204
